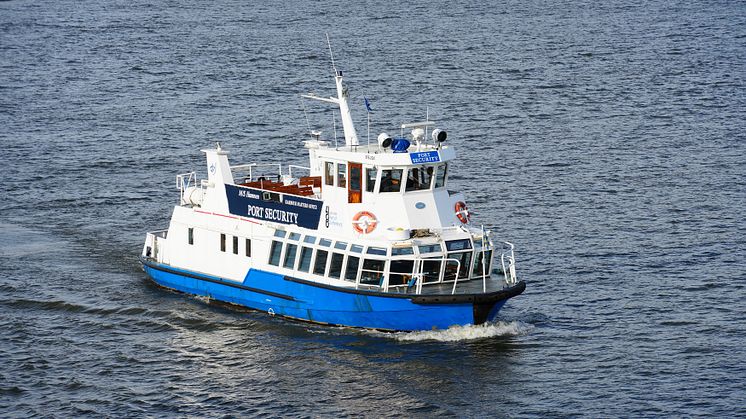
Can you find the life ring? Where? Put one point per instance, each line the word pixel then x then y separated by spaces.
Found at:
pixel 462 212
pixel 364 222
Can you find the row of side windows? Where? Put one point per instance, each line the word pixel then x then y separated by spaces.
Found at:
pixel 434 269
pixel 223 242
pixel 301 258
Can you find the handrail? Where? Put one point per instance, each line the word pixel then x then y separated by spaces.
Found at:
pixel 290 168
pixel 509 273
pixel 183 181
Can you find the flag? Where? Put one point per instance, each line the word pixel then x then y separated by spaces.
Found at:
pixel 367 104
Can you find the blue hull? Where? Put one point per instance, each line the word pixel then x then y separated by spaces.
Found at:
pixel 307 301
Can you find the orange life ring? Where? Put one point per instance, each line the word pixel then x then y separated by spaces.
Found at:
pixel 462 212
pixel 364 222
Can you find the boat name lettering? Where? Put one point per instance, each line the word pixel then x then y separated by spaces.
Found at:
pixel 424 157
pixel 244 193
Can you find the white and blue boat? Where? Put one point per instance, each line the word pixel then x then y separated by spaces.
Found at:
pixel 368 235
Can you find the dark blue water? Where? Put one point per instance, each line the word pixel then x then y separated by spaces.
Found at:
pixel 608 142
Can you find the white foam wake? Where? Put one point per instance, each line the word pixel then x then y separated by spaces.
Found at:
pixel 459 333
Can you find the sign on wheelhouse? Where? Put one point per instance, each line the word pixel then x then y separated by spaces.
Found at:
pixel 368 236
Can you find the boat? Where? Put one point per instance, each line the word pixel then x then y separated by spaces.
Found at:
pixel 366 236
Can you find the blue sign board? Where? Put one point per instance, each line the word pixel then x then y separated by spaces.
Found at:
pixel 273 206
pixel 424 157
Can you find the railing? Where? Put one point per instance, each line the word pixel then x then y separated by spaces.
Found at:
pixel 184 181
pixel 508 255
pixel 152 248
pixel 290 169
pixel 251 166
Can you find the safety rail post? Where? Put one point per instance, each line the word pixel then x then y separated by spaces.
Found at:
pixel 458 269
pixel 183 181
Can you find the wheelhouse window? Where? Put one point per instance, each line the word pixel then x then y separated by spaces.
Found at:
pixel 329 173
pixel 190 235
pixel 391 180
pixel 440 177
pixel 370 178
pixel 341 175
pixel 274 253
pixel 419 178
pixel 319 266
pixel 290 251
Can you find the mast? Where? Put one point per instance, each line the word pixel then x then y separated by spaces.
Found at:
pixel 344 109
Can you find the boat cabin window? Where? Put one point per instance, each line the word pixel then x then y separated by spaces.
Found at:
pixel 335 266
pixel 294 236
pixel 429 248
pixel 353 262
pixel 400 251
pixel 464 259
pixel 280 233
pixel 274 253
pixel 235 245
pixel 340 245
pixel 376 251
pixel 370 178
pixel 248 247
pixel 401 272
pixel 222 242
pixel 319 265
pixel 391 180
pixel 341 175
pixel 372 272
pixel 290 251
pixel 478 268
pixel 431 270
pixel 190 235
pixel 419 178
pixel 456 251
pixel 440 177
pixel 305 259
pixel 309 239
pixel 325 242
pixel 329 173
pixel 454 245
pixel 356 248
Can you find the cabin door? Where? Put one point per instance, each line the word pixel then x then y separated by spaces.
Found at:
pixel 355 185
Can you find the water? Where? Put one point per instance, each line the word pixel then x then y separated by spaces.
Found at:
pixel 606 141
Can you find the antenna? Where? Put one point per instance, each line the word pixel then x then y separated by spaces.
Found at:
pixel 331 54
pixel 308 123
pixel 334 124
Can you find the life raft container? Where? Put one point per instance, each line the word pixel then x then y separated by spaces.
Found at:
pixel 462 212
pixel 364 222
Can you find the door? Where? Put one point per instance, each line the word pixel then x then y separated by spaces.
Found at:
pixel 355 184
